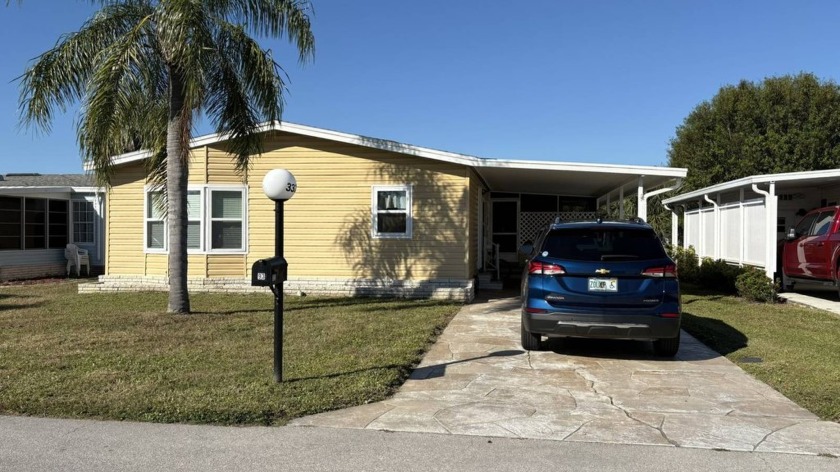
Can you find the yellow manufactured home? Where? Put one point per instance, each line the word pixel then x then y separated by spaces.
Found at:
pixel 370 217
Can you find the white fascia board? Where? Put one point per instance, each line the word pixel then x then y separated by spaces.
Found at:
pixel 583 167
pixel 330 135
pixel 445 156
pixel 803 176
pixel 87 189
pixel 36 189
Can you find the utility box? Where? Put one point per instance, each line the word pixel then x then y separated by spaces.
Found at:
pixel 269 272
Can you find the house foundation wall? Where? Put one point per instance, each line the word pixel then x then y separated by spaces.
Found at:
pixel 444 289
pixel 22 272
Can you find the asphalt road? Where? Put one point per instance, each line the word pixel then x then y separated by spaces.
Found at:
pixel 54 444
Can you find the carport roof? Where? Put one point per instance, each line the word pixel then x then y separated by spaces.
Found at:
pixel 500 175
pixel 788 179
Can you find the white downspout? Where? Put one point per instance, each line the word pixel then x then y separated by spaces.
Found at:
pixel 716 238
pixel 770 230
pixel 643 197
pixel 674 222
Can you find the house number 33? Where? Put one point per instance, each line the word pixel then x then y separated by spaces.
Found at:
pixel 290 187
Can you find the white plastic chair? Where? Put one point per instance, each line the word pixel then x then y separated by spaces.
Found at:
pixel 76 258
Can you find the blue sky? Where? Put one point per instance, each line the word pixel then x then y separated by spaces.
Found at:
pixel 585 81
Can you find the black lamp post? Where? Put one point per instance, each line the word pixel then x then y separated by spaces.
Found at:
pixel 279 185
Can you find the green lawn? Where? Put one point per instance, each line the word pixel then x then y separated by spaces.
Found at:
pixel 118 356
pixel 799 347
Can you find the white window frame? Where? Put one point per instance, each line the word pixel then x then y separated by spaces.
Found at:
pixel 409 203
pixel 205 220
pixel 92 222
pixel 208 219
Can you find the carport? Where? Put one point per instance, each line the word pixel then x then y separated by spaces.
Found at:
pixel 524 196
pixel 742 221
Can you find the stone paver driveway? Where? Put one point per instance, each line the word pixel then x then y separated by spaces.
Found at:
pixel 477 380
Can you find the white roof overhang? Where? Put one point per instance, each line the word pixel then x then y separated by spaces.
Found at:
pixel 501 175
pixel 786 180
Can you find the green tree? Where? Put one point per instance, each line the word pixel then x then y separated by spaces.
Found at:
pixel 143 70
pixel 782 124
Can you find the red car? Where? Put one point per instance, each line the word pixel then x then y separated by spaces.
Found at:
pixel 811 252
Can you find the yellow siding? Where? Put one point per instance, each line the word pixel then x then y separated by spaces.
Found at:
pixel 328 222
pixel 476 196
pixel 125 222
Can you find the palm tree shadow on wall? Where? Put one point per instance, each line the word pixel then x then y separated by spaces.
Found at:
pixel 438 246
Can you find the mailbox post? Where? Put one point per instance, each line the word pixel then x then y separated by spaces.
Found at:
pixel 278 185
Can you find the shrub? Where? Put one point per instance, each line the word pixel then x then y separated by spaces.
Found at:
pixel 687 262
pixel 718 275
pixel 754 285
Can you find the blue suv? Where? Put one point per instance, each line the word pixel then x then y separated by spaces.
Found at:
pixel 600 279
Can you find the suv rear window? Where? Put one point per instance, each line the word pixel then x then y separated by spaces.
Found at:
pixel 603 244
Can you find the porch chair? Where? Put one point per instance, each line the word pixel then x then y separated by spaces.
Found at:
pixel 76 258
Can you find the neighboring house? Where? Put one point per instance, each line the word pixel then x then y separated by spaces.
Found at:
pixel 743 220
pixel 40 215
pixel 370 217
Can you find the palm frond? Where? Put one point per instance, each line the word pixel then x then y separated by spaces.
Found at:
pixel 272 18
pixel 59 77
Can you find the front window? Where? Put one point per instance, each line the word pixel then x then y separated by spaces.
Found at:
pixel 226 226
pixel 155 222
pixel 33 223
pixel 11 223
pixel 83 215
pixel 391 208
pixel 219 225
pixel 59 224
pixel 35 226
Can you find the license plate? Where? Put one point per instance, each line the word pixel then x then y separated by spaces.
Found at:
pixel 603 285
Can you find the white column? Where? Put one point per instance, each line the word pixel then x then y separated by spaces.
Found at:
pixel 674 223
pixel 641 202
pixel 742 233
pixel 701 235
pixel 716 226
pixel 772 216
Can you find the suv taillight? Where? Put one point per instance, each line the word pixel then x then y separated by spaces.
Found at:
pixel 661 271
pixel 542 268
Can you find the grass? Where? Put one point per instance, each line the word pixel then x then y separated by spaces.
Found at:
pixel 799 347
pixel 118 356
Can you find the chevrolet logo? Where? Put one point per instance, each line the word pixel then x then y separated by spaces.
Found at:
pixel 602 271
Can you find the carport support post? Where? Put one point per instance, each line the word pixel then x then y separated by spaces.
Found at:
pixel 641 202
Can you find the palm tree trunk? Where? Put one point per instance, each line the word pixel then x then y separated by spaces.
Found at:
pixel 177 174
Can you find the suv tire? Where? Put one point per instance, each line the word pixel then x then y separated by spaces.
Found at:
pixel 667 347
pixel 530 341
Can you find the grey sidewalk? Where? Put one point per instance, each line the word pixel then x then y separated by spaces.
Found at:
pixel 35 444
pixel 476 380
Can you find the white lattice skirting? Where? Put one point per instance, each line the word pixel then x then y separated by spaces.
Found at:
pixel 531 222
pixel 447 289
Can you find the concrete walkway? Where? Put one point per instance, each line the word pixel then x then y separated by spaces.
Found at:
pixel 821 299
pixel 476 380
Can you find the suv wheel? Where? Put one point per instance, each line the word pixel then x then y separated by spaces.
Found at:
pixel 667 347
pixel 530 341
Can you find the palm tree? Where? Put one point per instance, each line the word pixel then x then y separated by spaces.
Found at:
pixel 144 70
